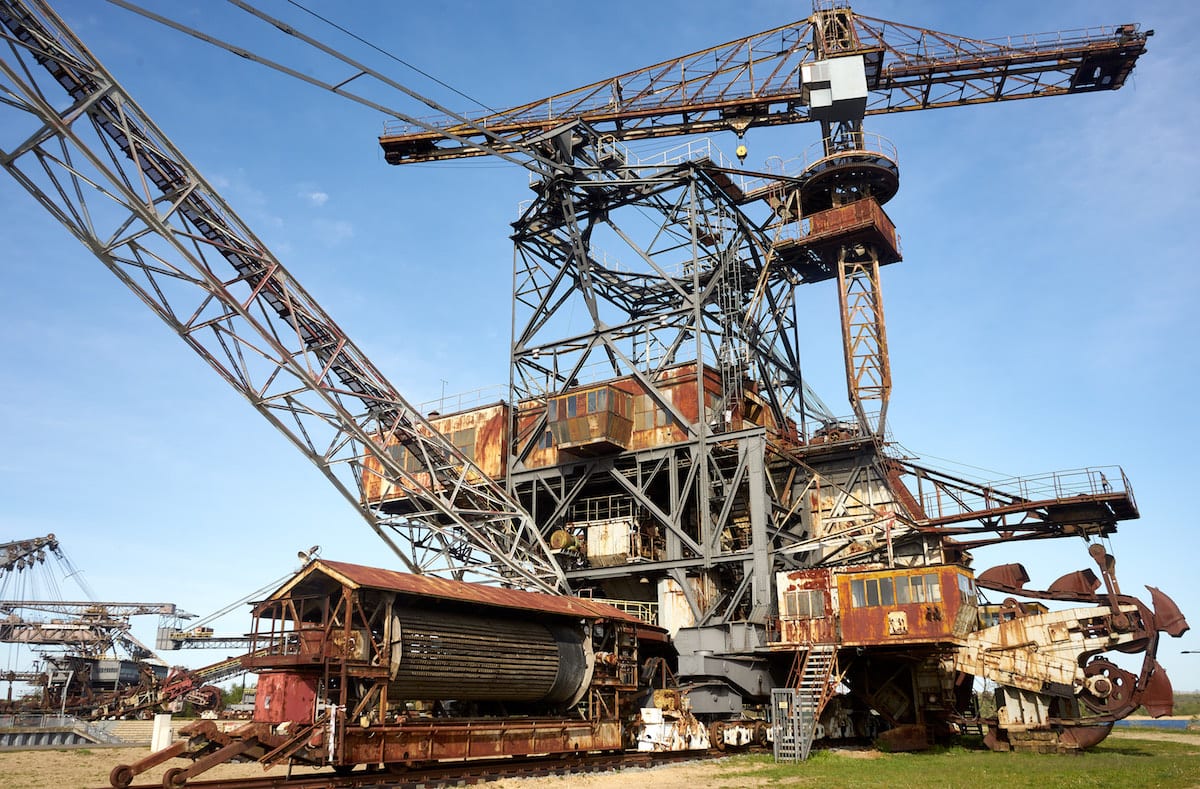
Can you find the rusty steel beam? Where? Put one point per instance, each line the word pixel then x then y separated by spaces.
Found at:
pixel 755 81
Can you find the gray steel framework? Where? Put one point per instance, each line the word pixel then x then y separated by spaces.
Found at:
pixel 704 282
pixel 629 269
pixel 94 160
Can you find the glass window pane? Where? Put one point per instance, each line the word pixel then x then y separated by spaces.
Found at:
pixel 570 407
pixel 872 592
pixel 602 400
pixel 902 591
pixel 817 604
pixel 917 589
pixel 552 411
pixel 591 402
pixel 933 589
pixel 885 591
pixel 858 596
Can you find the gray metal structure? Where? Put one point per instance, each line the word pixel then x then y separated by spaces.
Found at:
pixel 84 149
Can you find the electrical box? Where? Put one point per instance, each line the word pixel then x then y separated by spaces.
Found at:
pixel 835 90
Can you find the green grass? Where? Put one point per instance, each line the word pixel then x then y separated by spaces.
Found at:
pixel 1118 762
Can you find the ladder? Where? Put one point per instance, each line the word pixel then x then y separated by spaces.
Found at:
pixel 797 709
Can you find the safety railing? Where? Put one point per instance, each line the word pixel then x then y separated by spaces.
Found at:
pixel 645 611
pixel 945 501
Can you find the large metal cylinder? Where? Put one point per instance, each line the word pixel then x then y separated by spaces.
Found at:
pixel 477 658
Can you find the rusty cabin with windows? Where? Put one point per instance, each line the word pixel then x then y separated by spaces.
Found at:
pixel 608 417
pixel 876 607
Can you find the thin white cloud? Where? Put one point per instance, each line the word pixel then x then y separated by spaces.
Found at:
pixel 316 197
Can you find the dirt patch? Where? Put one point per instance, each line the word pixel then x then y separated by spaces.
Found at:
pixel 1159 735
pixel 89 767
pixel 859 752
pixel 713 772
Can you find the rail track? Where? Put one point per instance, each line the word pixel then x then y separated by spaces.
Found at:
pixel 458 774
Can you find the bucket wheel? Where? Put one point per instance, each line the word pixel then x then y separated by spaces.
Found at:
pixel 1107 687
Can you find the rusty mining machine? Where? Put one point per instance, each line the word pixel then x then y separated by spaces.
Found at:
pixel 90 664
pixel 670 463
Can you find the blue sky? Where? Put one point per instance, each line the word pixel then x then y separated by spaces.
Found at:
pixel 1043 318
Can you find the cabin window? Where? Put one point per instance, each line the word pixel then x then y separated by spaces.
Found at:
pixel 966 589
pixel 895 591
pixel 464 440
pixel 924 588
pixel 804 604
pixel 885 592
pixel 547 440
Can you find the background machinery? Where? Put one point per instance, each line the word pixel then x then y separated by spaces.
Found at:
pixel 670 455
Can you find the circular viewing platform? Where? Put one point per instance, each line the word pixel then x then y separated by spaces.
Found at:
pixel 859 165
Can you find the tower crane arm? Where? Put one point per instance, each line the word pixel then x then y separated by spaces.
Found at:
pixel 94 610
pixel 758 80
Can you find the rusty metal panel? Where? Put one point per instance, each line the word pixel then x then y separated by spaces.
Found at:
pixel 358 576
pixel 646 426
pixel 800 594
pixel 922 606
pixel 474 739
pixel 862 221
pixel 673 609
pixel 488 450
pixel 608 541
pixel 284 696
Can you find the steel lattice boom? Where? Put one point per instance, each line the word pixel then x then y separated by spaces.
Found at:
pixel 755 81
pixel 107 173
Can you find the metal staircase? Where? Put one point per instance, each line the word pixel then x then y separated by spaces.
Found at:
pixel 797 709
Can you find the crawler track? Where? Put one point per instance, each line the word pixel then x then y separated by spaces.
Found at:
pixel 453 775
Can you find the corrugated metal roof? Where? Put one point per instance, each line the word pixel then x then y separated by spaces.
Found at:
pixel 358 576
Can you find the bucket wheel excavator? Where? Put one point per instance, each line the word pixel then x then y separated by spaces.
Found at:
pixel 774 525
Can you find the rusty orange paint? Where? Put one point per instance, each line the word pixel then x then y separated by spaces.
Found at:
pixel 854 615
pixel 650 427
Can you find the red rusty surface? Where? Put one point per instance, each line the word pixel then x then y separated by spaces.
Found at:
pixel 899 623
pixel 1084 737
pixel 428 586
pixel 587 434
pixel 862 221
pixel 284 696
pixel 1158 697
pixel 1167 614
pixel 489 454
pixel 1009 576
pixel 909 737
pixel 1080 582
pixel 472 739
pixel 808 630
pixel 880 624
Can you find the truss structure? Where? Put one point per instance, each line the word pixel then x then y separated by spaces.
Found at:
pixel 85 150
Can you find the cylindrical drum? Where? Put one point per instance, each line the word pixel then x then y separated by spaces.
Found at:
pixel 467 658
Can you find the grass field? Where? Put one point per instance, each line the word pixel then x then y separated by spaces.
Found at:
pixel 1130 759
